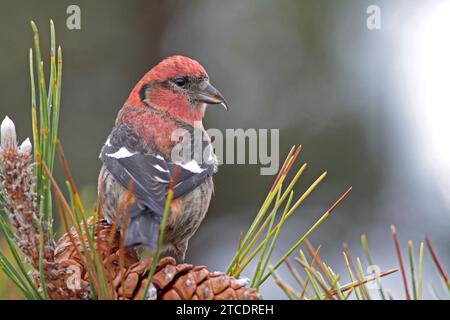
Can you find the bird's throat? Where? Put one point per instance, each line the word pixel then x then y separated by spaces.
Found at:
pixel 178 106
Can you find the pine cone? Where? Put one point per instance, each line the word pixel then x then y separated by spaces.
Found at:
pixel 69 259
pixel 185 282
pixel 170 282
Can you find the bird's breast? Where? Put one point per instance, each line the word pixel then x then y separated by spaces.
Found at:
pixel 188 211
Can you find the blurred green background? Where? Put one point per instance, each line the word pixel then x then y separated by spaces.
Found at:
pixel 369 106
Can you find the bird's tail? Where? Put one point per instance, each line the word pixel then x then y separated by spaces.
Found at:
pixel 143 229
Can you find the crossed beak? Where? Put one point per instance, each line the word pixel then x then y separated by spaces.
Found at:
pixel 208 94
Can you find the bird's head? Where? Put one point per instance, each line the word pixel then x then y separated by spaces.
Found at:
pixel 179 86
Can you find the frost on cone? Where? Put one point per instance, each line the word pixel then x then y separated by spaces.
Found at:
pixel 26 147
pixel 8 134
pixel 170 282
pixel 8 138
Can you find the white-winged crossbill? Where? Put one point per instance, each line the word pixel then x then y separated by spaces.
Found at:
pixel 137 156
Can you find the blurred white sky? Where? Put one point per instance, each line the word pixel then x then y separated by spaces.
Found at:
pixel 425 60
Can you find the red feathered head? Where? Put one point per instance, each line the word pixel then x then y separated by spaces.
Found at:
pixel 177 85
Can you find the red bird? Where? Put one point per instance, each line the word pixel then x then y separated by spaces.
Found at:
pixel 137 156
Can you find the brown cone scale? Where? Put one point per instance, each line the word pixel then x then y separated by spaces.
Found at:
pixel 170 282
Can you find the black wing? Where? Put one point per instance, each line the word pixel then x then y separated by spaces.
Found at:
pixel 148 175
pixel 151 173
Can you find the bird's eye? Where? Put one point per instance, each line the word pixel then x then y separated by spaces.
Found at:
pixel 180 81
